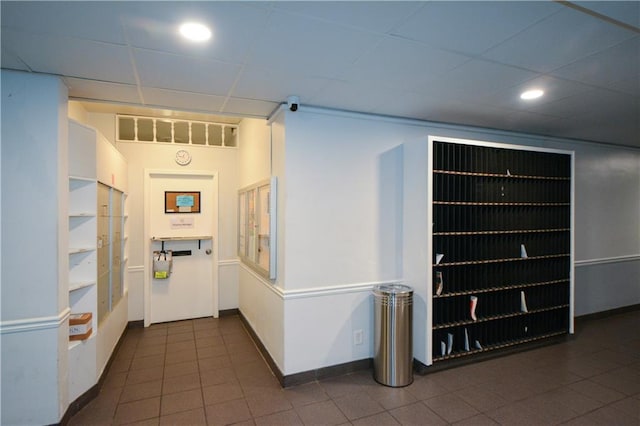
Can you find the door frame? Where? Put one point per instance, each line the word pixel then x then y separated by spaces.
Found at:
pixel 149 174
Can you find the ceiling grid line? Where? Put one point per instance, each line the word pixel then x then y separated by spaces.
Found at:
pixel 243 63
pixel 132 60
pixel 453 62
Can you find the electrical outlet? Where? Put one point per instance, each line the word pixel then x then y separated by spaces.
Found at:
pixel 358 337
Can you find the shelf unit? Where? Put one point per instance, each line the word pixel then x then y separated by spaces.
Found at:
pixel 83 253
pixel 82 244
pixel 501 245
pixel 97 249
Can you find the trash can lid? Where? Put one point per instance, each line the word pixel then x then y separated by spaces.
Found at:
pixel 393 289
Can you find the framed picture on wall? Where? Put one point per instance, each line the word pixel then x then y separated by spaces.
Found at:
pixel 181 202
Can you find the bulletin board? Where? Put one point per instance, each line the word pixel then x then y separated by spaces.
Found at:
pixel 181 202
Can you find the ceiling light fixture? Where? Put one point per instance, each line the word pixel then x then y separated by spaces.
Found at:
pixel 195 32
pixel 531 94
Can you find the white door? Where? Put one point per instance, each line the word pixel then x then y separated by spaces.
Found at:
pixel 191 289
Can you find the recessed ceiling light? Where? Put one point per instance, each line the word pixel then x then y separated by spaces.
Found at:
pixel 531 94
pixel 195 32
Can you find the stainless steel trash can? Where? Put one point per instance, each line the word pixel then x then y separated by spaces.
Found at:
pixel 393 334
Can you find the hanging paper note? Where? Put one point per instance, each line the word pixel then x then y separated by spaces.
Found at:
pixel 473 303
pixel 439 283
pixel 466 340
pixel 523 302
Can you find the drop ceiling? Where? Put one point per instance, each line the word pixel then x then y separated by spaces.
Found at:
pixel 453 62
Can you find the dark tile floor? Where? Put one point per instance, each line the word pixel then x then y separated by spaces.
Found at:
pixel 208 372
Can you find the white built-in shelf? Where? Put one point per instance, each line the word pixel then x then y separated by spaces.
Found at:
pixel 197 237
pixel 80 285
pixel 82 214
pixel 82 179
pixel 78 250
pixel 76 343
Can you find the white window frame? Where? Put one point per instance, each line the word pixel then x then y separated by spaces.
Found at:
pixel 234 129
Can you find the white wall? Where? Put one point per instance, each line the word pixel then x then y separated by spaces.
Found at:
pixel 141 156
pixel 77 112
pixel 343 226
pixel 343 232
pixel 35 294
pixel 103 123
pixel 336 198
pixel 607 202
pixel 260 301
pixel 255 152
pixel 607 229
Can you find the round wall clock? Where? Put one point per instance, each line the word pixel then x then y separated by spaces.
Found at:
pixel 183 157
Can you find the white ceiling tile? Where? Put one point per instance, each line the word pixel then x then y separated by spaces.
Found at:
pixel 184 73
pixel 71 57
pixel 344 55
pixel 607 104
pixel 530 122
pixel 620 107
pixel 615 64
pixel 450 111
pixel 11 61
pixel 561 39
pixel 91 20
pixel 154 25
pixel 299 45
pixel 402 64
pixel 623 11
pixel 352 96
pixel 250 107
pixel 372 16
pixel 92 89
pixel 630 86
pixel 473 26
pixel 599 128
pixel 554 89
pixel 479 77
pixel 410 104
pixel 268 85
pixel 181 100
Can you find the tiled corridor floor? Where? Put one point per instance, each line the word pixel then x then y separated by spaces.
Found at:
pixel 208 372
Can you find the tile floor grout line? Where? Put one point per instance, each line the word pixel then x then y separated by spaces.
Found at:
pixel 164 366
pixel 204 406
pixel 607 399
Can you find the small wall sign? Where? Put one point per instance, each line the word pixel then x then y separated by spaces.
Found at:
pixel 181 222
